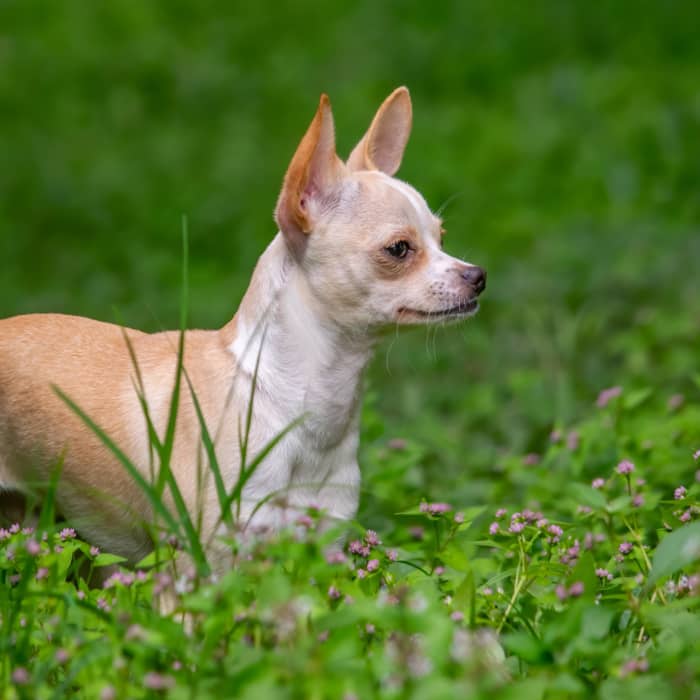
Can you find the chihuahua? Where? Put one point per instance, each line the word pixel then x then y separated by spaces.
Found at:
pixel 357 251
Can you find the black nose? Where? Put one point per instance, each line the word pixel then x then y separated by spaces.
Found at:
pixel 475 277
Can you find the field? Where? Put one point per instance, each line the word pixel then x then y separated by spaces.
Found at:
pixel 529 520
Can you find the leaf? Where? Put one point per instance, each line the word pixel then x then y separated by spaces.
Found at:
pixel 636 398
pixel 453 556
pixel 157 556
pixel 596 621
pixel 107 559
pixel 587 496
pixel 526 647
pixel 677 550
pixel 464 596
pixel 619 504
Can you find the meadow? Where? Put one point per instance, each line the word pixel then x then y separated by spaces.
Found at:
pixel 528 525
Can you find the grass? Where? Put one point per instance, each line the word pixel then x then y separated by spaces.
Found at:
pixel 565 139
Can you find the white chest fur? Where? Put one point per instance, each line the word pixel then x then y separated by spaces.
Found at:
pixel 310 372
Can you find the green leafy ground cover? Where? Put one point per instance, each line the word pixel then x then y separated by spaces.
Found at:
pixel 565 139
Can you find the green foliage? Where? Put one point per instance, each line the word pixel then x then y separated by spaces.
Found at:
pixel 565 139
pixel 562 589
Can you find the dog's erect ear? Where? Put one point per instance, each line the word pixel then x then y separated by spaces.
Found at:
pixel 382 147
pixel 314 171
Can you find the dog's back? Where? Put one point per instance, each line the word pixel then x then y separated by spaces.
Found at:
pixel 90 362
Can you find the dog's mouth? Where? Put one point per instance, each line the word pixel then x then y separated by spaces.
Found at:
pixel 461 310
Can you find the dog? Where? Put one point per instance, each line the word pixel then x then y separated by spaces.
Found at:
pixel 358 252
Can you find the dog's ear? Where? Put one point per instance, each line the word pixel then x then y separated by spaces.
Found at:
pixel 382 147
pixel 312 175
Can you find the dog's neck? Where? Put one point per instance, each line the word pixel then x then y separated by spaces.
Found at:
pixel 309 366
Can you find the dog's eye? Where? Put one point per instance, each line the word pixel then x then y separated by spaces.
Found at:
pixel 399 249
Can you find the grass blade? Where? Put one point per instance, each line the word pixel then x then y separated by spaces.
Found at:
pixel 146 488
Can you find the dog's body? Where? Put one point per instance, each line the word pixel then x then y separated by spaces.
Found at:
pixel 357 252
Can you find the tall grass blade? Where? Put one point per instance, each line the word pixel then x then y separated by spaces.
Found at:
pixel 211 455
pixel 148 490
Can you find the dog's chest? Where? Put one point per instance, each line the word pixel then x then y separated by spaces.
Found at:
pixel 313 464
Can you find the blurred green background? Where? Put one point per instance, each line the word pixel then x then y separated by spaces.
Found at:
pixel 565 135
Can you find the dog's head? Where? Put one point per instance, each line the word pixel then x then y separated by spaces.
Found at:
pixel 368 245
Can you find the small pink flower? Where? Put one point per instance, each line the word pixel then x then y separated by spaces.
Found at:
pixel 356 547
pixel 598 483
pixel 516 527
pixel 675 401
pixel 439 570
pixel 625 467
pixel 361 573
pixel 392 554
pixel 696 455
pixel 608 395
pixel 542 523
pixel 685 516
pixel 680 493
pixel 335 556
pixel 305 520
pixel 14 528
pixel 158 681
pixel 501 513
pixel 561 592
pixel 435 508
pixel 20 676
pixel 61 656
pixel 333 593
pixel 494 528
pixel 531 459
pixel 33 547
pixel 372 539
pixel 67 533
pixel 603 573
pixel 555 530
pixel 573 440
pixel 555 435
pixel 576 589
pixel 41 573
pixel 487 590
pixel 94 551
pixel 417 532
pixel 638 500
pixel 457 616
pixel 634 666
pixel 372 565
pixel 369 628
pixel 459 518
pixel 134 633
pixel 108 693
pixel 625 548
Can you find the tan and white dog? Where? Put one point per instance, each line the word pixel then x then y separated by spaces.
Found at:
pixel 358 251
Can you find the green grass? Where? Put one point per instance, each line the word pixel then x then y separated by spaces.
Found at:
pixel 565 138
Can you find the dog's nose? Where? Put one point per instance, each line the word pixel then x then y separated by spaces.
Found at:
pixel 475 277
